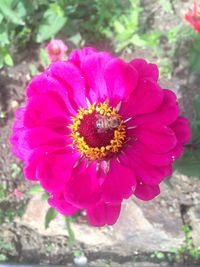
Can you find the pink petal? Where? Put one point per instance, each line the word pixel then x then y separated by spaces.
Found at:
pixel 166 113
pixel 39 136
pixel 146 98
pixel 121 80
pixel 36 158
pixel 157 137
pixel 53 114
pixel 145 172
pixel 18 128
pixel 103 214
pixel 58 202
pixel 71 78
pixel 182 130
pixel 82 189
pixel 43 84
pixel 146 192
pixel 93 68
pixel 145 70
pixel 79 55
pixel 54 170
pixel 119 183
pixel 154 158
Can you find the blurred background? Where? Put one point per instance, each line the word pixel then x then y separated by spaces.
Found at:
pixel 162 232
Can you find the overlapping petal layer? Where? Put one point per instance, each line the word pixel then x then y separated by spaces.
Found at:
pixel 43 133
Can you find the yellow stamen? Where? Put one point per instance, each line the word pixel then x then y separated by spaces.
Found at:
pixel 96 153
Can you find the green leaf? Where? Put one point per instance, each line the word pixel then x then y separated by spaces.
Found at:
pixel 138 41
pixel 15 170
pixel 45 196
pixel 9 13
pixel 151 39
pixel 52 22
pixel 8 59
pixel 4 39
pixel 168 182
pixel 3 257
pixel 50 216
pixel 36 189
pixel 45 61
pixel 189 163
pixel 194 61
pixel 33 70
pixel 172 34
pixel 1 17
pixel 166 5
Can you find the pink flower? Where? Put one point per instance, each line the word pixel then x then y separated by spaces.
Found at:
pixel 96 130
pixel 193 16
pixel 18 193
pixel 56 49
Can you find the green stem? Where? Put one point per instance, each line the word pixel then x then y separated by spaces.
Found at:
pixel 71 235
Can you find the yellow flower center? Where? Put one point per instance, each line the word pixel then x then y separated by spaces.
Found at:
pixel 98 132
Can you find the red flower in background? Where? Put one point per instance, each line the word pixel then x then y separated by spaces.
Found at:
pixel 56 49
pixel 193 16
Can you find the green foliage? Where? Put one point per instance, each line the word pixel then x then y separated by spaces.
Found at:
pixel 16 170
pixel 44 59
pixel 127 30
pixel 35 190
pixel 187 249
pixel 71 235
pixel 189 163
pixel 24 21
pixel 50 216
pixel 194 56
pixel 5 248
pixel 186 253
pixel 52 22
pixel 3 257
pixel 166 5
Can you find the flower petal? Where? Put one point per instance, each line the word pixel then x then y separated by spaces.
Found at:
pixel 119 183
pixel 103 214
pixel 58 202
pixel 82 189
pixel 44 84
pixel 182 130
pixel 93 68
pixel 79 55
pixel 121 80
pixel 166 113
pixel 71 78
pixel 144 171
pixel 157 137
pixel 54 115
pixel 38 136
pixel 54 170
pixel 145 70
pixel 146 98
pixel 146 192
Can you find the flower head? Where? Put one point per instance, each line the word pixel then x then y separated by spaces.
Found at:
pixel 18 193
pixel 96 130
pixel 193 16
pixel 56 49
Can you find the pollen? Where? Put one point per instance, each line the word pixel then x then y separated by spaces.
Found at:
pixel 98 132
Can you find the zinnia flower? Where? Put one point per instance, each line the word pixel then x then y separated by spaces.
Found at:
pixel 56 49
pixel 96 130
pixel 193 16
